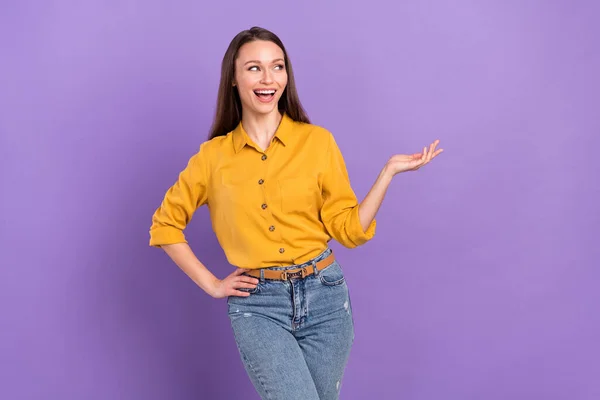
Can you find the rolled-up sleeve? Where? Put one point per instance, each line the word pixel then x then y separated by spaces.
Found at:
pixel 180 202
pixel 340 205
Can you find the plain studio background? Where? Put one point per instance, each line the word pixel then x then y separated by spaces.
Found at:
pixel 481 282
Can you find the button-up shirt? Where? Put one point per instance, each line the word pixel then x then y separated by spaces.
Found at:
pixel 276 207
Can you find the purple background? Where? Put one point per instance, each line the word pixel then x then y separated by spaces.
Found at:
pixel 481 282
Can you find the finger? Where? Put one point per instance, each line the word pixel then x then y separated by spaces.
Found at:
pixel 239 271
pixel 246 285
pixel 429 153
pixel 244 280
pixel 437 152
pixel 240 293
pixel 248 279
pixel 433 146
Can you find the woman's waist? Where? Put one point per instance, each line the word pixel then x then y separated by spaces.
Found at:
pixel 301 263
pixel 300 270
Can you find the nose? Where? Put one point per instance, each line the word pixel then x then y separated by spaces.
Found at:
pixel 267 76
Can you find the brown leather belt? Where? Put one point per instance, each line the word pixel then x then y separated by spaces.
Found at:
pixel 293 273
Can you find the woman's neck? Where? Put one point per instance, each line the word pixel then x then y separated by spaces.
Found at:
pixel 261 127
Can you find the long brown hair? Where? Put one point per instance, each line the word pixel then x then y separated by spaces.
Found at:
pixel 229 106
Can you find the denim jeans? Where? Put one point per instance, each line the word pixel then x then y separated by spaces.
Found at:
pixel 294 337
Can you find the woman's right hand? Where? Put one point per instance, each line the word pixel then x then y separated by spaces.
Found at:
pixel 230 285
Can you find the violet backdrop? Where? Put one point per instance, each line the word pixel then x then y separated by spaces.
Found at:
pixel 481 282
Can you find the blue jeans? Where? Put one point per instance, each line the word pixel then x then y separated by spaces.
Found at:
pixel 294 336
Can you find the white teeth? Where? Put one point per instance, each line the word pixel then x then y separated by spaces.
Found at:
pixel 265 91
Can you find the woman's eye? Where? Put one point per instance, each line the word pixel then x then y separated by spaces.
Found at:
pixel 256 68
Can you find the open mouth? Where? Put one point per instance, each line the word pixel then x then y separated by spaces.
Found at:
pixel 265 95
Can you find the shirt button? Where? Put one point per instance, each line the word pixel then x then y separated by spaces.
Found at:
pixel 281 250
pixel 271 228
pixel 264 157
pixel 264 206
pixel 260 181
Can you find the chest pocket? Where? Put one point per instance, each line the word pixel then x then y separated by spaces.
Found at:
pixel 299 194
pixel 237 195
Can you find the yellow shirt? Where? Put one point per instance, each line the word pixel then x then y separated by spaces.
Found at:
pixel 277 207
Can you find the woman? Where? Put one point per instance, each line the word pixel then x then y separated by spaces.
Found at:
pixel 278 190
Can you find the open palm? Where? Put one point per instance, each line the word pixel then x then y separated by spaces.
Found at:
pixel 405 162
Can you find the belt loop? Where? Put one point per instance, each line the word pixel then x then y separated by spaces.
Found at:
pixel 262 275
pixel 314 265
pixel 321 256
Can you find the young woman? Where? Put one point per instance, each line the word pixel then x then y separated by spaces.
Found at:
pixel 278 190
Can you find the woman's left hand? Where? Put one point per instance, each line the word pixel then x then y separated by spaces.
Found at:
pixel 402 162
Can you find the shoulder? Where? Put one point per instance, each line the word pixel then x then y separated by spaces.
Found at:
pixel 211 150
pixel 215 147
pixel 313 133
pixel 216 144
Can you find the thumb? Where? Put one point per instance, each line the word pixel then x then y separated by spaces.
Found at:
pixel 239 271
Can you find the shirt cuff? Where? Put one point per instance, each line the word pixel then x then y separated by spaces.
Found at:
pixel 357 235
pixel 166 235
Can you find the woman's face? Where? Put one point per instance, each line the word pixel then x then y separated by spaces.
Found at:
pixel 260 76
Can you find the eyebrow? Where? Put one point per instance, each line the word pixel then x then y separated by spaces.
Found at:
pixel 258 62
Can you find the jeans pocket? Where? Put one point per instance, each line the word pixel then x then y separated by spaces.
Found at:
pixel 332 275
pixel 250 290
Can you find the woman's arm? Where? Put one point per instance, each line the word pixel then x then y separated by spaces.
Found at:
pixel 170 219
pixel 368 208
pixel 184 257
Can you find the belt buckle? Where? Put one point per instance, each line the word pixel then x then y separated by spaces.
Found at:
pixel 298 274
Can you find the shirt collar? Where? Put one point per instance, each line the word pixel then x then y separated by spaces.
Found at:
pixel 283 133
